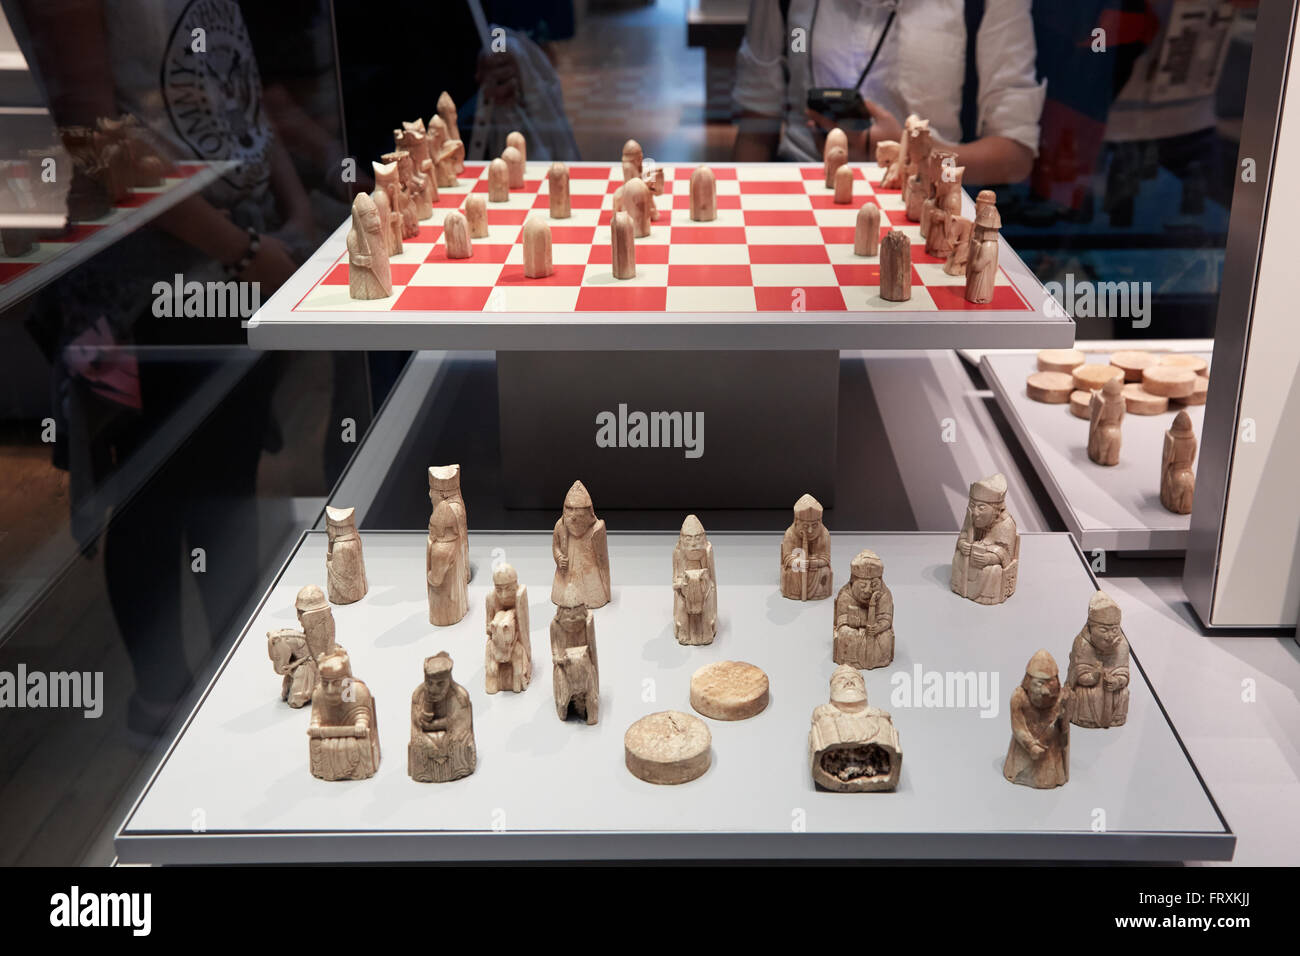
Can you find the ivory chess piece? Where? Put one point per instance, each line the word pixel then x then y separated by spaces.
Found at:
pixel 1039 753
pixel 636 200
pixel 1098 676
pixel 558 191
pixel 1050 388
pixel 864 616
pixel 457 150
pixel 575 671
pixel 806 554
pixel 392 234
pixel 343 736
pixel 1177 479
pixel 959 232
pixel 629 171
pixel 1181 360
pixel 292 658
pixel 345 565
pixel 508 663
pixel 617 200
pixel 476 216
pixel 667 747
pixel 835 138
pixel 622 246
pixel 442 726
pixel 369 274
pixel 455 235
pixel 695 579
pixel 514 167
pixel 413 138
pixel 889 157
pixel 853 747
pixel 986 561
pixel 446 572
pixel 537 248
pixel 919 142
pixel 844 185
pixel 581 552
pixel 400 205
pixel 982 261
pixel 515 140
pixel 729 690
pixel 498 181
pixel 704 195
pixel 895 266
pixel 947 205
pixel 866 231
pixel 406 203
pixel 416 183
pixel 1059 360
pixel 1105 421
pixel 438 136
pixel 836 157
pixel 447 113
pixel 316 618
pixel 446 164
pixel 1200 392
pixel 633 154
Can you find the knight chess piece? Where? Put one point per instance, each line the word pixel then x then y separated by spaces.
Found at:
pixel 508 663
pixel 293 660
pixel 575 671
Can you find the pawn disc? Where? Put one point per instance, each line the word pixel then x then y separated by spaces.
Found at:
pixel 1059 360
pixel 1081 404
pixel 1138 401
pixel 1090 377
pixel 1169 381
pixel 729 690
pixel 1054 388
pixel 1200 388
pixel 668 747
pixel 1132 362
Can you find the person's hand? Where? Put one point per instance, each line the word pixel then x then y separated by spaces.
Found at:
pixel 271 267
pixel 862 143
pixel 884 126
pixel 497 75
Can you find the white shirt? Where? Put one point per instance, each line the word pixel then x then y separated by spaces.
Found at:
pixel 921 67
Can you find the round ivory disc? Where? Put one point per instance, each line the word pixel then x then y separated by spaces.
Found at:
pixel 667 747
pixel 1199 390
pixel 1059 360
pixel 1138 401
pixel 1089 377
pixel 1081 404
pixel 729 690
pixel 1182 360
pixel 1054 388
pixel 1169 381
pixel 1132 362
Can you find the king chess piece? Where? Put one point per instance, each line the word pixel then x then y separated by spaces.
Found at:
pixel 986 560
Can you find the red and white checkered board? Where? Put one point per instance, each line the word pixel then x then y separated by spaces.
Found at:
pixel 779 244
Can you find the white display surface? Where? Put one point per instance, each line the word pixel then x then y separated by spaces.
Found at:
pixel 1111 507
pixel 546 789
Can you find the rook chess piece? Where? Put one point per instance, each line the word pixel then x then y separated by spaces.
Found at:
pixel 345 566
pixel 895 266
pixel 558 190
pixel 866 231
pixel 704 195
pixel 369 274
pixel 290 656
pixel 476 216
pixel 447 113
pixel 498 181
pixel 455 236
pixel 986 560
pixel 623 246
pixel 575 672
pixel 446 572
pixel 444 485
pixel 836 157
pixel 633 155
pixel 853 747
pixel 442 726
pixel 316 618
pixel 581 553
pixel 343 737
pixel 835 138
pixel 537 248
pixel 844 184
pixel 508 663
pixel 636 200
pixel 982 261
pixel 1105 417
pixel 1098 677
pixel 1039 754
pixel 1177 479
pixel 864 616
pixel 515 140
pixel 514 161
pixel 695 595
pixel 806 554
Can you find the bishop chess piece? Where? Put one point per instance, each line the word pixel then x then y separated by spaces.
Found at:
pixel 575 672
pixel 806 554
pixel 986 561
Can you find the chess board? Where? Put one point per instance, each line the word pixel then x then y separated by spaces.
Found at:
pixel 778 259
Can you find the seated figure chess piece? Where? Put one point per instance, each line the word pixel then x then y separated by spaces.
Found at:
pixel 444 485
pixel 864 616
pixel 1039 754
pixel 446 574
pixel 1177 479
pixel 1098 676
pixel 986 561
pixel 853 748
pixel 343 735
pixel 442 726
pixel 806 554
pixel 370 276
pixel 574 668
pixel 509 660
pixel 695 595
pixel 316 618
pixel 345 566
pixel 581 552
pixel 1105 418
pixel 292 658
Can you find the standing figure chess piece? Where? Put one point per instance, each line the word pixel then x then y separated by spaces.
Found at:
pixel 575 671
pixel 1039 754
pixel 369 274
pixel 444 485
pixel 1105 418
pixel 447 113
pixel 982 260
pixel 343 736
pixel 316 618
pixel 947 206
pixel 959 232
pixel 853 747
pixel 581 552
pixel 695 594
pixel 509 660
pixel 806 554
pixel 412 138
pixel 864 616
pixel 1177 479
pixel 986 561
pixel 400 206
pixel 1098 676
pixel 915 185
pixel 345 565
pixel 393 234
pixel 292 658
pixel 442 726
pixel 446 573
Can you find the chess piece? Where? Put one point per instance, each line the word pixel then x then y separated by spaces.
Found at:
pixel 476 216
pixel 986 561
pixel 630 171
pixel 345 566
pixel 633 154
pixel 369 274
pixel 412 138
pixel 515 140
pixel 438 136
pixel 844 184
pixel 392 234
pixel 959 231
pixel 498 181
pixel 537 248
pixel 442 726
pixel 1091 377
pixel 1098 676
pixel 866 231
pixel 447 113
pixel 1081 404
pixel 636 200
pixel 982 261
pixel 919 143
pixel 88 195
pixel 704 195
pixel 508 663
pixel 931 175
pixel 622 246
pixel 1105 417
pixel 729 690
pixel 514 167
pixel 889 157
pixel 316 618
pixel 617 200
pixel 695 579
pixel 667 747
pixel 455 235
pixel 1177 479
pixel 343 736
pixel 1138 401
pixel 581 552
pixel 446 572
pixel 864 616
pixel 1180 360
pixel 401 208
pixel 292 658
pixel 947 205
pixel 575 672
pixel 895 266
pixel 836 157
pixel 1039 754
pixel 447 163
pixel 806 554
pixel 836 138
pixel 444 485
pixel 415 199
pixel 853 747
pixel 558 191
pixel 406 204
pixel 457 150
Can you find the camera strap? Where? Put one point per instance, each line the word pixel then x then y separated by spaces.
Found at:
pixel 812 25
